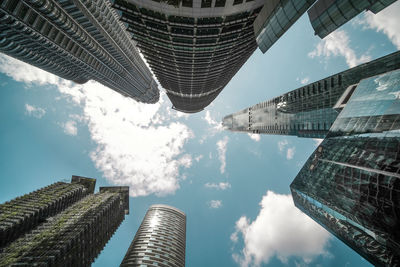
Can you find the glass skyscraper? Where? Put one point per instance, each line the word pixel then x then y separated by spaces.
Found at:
pixel 76 40
pixel 61 225
pixel 194 47
pixel 351 183
pixel 311 110
pixel 160 240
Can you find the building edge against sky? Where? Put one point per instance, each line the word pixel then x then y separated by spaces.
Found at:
pixel 70 237
pixel 160 239
pixel 310 110
pixel 351 183
pixel 78 41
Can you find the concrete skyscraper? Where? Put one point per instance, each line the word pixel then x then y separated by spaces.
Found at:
pixel 194 47
pixel 308 111
pixel 62 224
pixel 76 40
pixel 160 240
pixel 351 183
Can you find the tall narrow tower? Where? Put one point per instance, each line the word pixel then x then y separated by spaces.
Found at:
pixel 160 240
pixel 76 40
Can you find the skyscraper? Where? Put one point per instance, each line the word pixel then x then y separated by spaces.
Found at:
pixel 78 41
pixel 328 15
pixel 308 111
pixel 160 240
pixel 194 47
pixel 72 237
pixel 351 183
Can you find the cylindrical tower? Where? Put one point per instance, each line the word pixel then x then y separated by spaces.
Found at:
pixel 160 240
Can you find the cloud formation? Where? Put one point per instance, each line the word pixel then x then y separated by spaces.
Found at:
pixel 290 152
pixel 255 137
pixel 338 44
pixel 219 186
pixel 280 230
pixel 283 145
pixel 215 126
pixel 136 144
pixel 215 204
pixel 70 128
pixel 33 111
pixel 221 147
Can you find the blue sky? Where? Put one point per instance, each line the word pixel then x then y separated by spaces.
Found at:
pixel 233 187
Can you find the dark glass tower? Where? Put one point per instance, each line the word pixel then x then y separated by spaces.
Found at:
pixel 72 237
pixel 328 15
pixel 76 40
pixel 308 111
pixel 160 240
pixel 194 47
pixel 351 183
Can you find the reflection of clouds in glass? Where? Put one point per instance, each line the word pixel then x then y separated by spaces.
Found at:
pixel 396 94
pixel 382 83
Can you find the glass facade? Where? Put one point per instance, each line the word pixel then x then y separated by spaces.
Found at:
pixel 160 240
pixel 311 110
pixel 351 183
pixel 275 19
pixel 328 15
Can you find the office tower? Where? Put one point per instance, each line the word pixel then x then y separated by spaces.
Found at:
pixel 328 15
pixel 26 212
pixel 160 240
pixel 76 40
pixel 194 47
pixel 275 19
pixel 351 183
pixel 308 111
pixel 73 237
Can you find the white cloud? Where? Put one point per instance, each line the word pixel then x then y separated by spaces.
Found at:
pixel 219 186
pixel 221 146
pixel 280 230
pixel 198 158
pixel 215 126
pixel 305 80
pixel 386 21
pixel 255 137
pixel 338 44
pixel 282 144
pixel 70 128
pixel 137 144
pixel 33 111
pixel 290 152
pixel 215 204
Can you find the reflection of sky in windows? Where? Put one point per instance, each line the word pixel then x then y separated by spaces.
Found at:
pixel 379 95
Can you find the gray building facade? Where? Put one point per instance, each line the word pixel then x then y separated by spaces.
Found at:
pixel 351 183
pixel 78 41
pixel 160 240
pixel 194 47
pixel 311 110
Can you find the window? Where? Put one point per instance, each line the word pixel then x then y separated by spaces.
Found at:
pixel 237 2
pixel 205 3
pixel 187 3
pixel 220 3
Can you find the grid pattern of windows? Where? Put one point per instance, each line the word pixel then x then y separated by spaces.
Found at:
pixel 78 41
pixel 326 15
pixel 309 111
pixel 160 240
pixel 192 57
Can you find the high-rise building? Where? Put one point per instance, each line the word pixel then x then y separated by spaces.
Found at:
pixel 70 237
pixel 328 15
pixel 308 111
pixel 160 240
pixel 76 40
pixel 351 183
pixel 194 47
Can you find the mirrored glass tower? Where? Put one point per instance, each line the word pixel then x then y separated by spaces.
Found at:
pixel 351 183
pixel 160 240
pixel 78 41
pixel 311 110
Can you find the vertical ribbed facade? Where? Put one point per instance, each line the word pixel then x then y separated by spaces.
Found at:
pixel 26 212
pixel 328 15
pixel 160 240
pixel 311 110
pixel 351 183
pixel 77 40
pixel 194 47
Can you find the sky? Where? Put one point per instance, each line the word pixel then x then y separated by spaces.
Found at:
pixel 233 187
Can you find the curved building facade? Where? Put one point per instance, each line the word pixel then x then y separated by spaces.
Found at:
pixel 194 47
pixel 160 240
pixel 76 40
